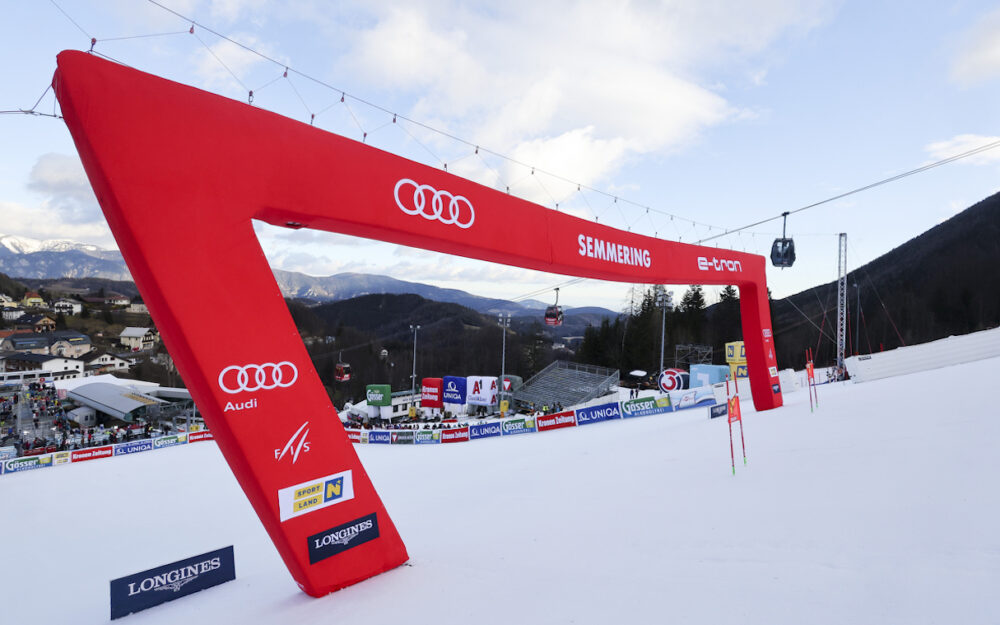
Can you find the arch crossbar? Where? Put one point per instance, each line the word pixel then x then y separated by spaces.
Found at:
pixel 180 174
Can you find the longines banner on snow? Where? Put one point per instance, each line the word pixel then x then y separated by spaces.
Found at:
pixel 146 589
pixel 182 174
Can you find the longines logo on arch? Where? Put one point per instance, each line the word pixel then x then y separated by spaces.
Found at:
pixel 341 538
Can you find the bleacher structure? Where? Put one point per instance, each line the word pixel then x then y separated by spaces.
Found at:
pixel 565 383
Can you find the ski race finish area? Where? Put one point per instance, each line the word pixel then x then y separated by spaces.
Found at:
pixel 180 174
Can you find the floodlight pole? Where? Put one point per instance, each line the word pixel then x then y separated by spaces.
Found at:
pixel 504 324
pixel 664 299
pixel 413 376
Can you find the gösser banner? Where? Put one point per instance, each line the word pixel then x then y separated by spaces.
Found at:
pixel 181 175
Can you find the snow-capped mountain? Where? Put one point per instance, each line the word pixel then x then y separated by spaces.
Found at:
pixel 25 245
pixel 23 257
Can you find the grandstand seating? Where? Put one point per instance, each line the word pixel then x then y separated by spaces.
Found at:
pixel 565 383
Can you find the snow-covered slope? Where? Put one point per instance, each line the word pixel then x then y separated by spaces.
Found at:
pixel 879 507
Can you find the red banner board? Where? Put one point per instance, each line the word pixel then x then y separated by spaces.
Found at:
pixel 203 435
pixel 455 435
pixel 91 453
pixel 182 174
pixel 431 393
pixel 354 435
pixel 555 421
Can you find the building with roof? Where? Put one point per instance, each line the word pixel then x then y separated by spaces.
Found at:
pixel 60 368
pixel 65 343
pixel 138 339
pixel 96 362
pixel 12 313
pixel 32 300
pixel 118 402
pixel 67 307
pixel 36 323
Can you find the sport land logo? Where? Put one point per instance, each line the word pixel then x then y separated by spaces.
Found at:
pixel 339 539
pixel 316 494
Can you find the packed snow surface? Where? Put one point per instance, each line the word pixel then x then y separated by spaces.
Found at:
pixel 879 507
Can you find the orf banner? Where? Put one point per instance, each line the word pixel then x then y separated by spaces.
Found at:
pixel 482 390
pixel 378 394
pixel 431 393
pixel 454 390
pixel 146 589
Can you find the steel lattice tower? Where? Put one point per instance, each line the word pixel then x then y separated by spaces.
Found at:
pixel 841 300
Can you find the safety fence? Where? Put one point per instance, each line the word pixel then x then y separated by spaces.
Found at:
pixel 46 460
pixel 608 411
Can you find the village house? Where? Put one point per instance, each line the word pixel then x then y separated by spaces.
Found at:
pixel 32 300
pixel 35 323
pixel 67 307
pixel 60 368
pixel 138 339
pixel 65 343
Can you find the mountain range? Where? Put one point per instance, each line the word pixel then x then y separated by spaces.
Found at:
pixel 31 259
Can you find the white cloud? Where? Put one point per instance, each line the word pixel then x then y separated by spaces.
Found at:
pixel 224 65
pixel 67 193
pixel 45 222
pixel 978 58
pixel 963 143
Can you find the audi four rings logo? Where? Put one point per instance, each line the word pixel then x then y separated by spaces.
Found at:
pixel 459 210
pixel 263 377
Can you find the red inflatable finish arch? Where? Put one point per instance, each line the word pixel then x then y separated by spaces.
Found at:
pixel 180 174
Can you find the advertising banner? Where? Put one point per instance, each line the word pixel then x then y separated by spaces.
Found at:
pixel 485 430
pixel 6 453
pixel 431 393
pixel 673 380
pixel 595 414
pixel 92 453
pixel 455 435
pixel 707 375
pixel 203 435
pixel 133 447
pixel 16 465
pixel 146 589
pixel 555 421
pixel 379 437
pixel 427 437
pixel 402 437
pixel 61 457
pixel 718 410
pixel 454 390
pixel 518 426
pixel 482 390
pixel 378 394
pixel 646 406
pixel 736 352
pixel 169 440
pixel 354 436
pixel 702 397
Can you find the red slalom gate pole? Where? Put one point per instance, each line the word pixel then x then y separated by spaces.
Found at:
pixel 732 452
pixel 742 442
pixel 809 377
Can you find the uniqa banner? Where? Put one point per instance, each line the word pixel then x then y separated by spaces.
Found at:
pixel 430 393
pixel 454 390
pixel 645 406
pixel 604 412
pixel 378 394
pixel 482 390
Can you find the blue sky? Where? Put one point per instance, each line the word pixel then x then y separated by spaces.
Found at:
pixel 715 112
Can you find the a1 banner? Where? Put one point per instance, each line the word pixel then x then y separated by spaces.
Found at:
pixel 556 421
pixel 482 390
pixel 431 390
pixel 455 435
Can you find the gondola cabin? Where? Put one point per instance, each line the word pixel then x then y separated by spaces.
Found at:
pixel 783 253
pixel 342 372
pixel 553 316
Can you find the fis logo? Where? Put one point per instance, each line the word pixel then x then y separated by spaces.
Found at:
pixel 297 444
